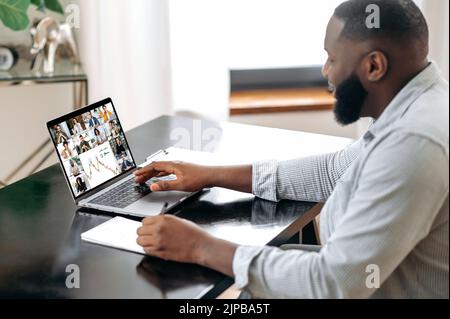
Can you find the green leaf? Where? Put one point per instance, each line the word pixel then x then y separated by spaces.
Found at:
pixel 13 13
pixel 52 5
pixel 40 4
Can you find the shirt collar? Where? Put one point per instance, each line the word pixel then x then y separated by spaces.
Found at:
pixel 401 102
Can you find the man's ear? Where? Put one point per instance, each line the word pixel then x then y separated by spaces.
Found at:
pixel 375 66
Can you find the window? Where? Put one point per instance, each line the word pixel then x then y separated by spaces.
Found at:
pixel 255 33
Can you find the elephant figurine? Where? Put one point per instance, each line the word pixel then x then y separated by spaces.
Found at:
pixel 47 35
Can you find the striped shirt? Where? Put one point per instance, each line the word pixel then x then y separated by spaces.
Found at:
pixel 384 226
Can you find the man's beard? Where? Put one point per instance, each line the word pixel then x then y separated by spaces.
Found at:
pixel 350 96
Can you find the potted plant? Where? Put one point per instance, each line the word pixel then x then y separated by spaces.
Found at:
pixel 13 13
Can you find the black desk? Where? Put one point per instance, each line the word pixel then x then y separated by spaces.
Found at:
pixel 40 226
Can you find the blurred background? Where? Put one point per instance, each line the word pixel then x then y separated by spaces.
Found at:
pixel 247 61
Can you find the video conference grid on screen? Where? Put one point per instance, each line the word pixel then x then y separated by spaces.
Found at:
pixel 92 148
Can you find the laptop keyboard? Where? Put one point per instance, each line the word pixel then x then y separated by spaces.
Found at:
pixel 122 195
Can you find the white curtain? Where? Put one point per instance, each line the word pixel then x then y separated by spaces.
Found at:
pixel 125 51
pixel 436 13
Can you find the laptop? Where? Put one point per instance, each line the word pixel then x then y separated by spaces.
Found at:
pixel 98 164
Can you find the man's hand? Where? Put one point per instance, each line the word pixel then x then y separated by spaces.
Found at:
pixel 190 177
pixel 172 238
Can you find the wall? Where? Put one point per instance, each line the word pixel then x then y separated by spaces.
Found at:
pixel 437 14
pixel 24 110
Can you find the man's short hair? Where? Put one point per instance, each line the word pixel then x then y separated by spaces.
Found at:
pixel 399 20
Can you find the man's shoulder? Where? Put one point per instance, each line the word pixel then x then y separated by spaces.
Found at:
pixel 409 156
pixel 428 116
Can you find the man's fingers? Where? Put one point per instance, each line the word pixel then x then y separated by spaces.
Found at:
pixel 164 186
pixel 144 173
pixel 149 220
pixel 140 171
pixel 144 231
pixel 145 241
pixel 154 169
pixel 155 252
pixel 164 166
pixel 161 174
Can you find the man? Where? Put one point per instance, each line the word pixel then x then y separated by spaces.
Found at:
pixel 92 120
pixel 115 131
pixel 60 136
pixel 125 164
pixel 84 145
pixel 74 168
pixel 119 146
pixel 105 114
pixel 386 194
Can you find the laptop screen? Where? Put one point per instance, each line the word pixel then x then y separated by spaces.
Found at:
pixel 91 146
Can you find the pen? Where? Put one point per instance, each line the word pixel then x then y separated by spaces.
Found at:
pixel 163 209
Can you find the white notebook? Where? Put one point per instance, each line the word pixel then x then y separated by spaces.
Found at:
pixel 118 232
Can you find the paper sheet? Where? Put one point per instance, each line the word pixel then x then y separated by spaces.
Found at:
pixel 117 232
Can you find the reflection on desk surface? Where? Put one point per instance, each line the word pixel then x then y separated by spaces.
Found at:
pixel 111 273
pixel 169 277
pixel 245 221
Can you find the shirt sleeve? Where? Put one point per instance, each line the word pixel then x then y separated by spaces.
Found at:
pixel 307 179
pixel 399 194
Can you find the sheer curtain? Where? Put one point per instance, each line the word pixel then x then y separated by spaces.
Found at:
pixel 436 13
pixel 125 51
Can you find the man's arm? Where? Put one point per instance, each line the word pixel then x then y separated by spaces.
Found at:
pixel 173 238
pixel 238 177
pixel 399 195
pixel 307 179
pixel 310 179
pixel 192 177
